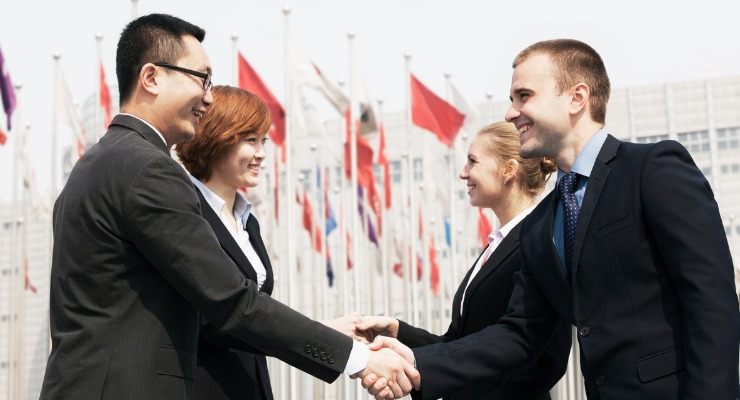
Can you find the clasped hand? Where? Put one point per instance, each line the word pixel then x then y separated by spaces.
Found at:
pixel 390 372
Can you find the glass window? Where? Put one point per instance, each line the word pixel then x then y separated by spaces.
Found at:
pixel 395 171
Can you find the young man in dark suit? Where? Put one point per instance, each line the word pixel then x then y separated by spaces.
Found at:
pixel 629 248
pixel 134 262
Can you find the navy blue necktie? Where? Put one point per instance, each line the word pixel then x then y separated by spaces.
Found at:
pixel 567 188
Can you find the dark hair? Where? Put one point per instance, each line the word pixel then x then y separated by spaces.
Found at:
pixel 234 114
pixel 502 140
pixel 150 38
pixel 575 62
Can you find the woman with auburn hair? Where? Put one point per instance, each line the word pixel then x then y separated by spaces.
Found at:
pixel 225 155
pixel 499 179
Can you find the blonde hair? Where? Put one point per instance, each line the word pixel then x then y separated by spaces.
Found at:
pixel 502 140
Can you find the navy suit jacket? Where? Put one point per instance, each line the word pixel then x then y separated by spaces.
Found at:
pixel 652 292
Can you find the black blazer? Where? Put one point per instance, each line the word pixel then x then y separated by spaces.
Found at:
pixel 485 302
pixel 652 292
pixel 134 263
pixel 228 369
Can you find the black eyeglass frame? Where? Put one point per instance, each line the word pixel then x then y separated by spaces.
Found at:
pixel 207 83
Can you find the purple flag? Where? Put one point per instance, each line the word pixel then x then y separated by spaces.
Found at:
pixel 6 89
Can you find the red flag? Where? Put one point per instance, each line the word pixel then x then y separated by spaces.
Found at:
pixel 317 238
pixel 276 189
pixel 3 137
pixel 484 228
pixel 349 252
pixel 365 173
pixel 249 80
pixel 434 274
pixel 105 97
pixel 28 284
pixel 432 113
pixel 383 161
pixel 307 214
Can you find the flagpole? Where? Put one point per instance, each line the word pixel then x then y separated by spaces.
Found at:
pixel 234 60
pixel 453 216
pixel 464 231
pixel 290 217
pixel 13 348
pixel 384 237
pixel 97 125
pixel 134 9
pixel 413 275
pixel 353 177
pixel 489 103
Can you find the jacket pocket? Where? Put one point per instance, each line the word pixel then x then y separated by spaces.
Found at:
pixel 614 226
pixel 660 364
pixel 176 361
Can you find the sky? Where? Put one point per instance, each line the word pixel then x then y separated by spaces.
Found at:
pixel 641 42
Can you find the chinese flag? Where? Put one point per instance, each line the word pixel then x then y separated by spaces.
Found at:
pixel 249 80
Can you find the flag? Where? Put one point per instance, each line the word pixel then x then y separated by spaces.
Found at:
pixel 7 93
pixel 27 277
pixel 349 252
pixel 331 222
pixel 448 232
pixel 362 106
pixel 464 107
pixel 432 113
pixel 434 266
pixel 105 100
pixel 363 215
pixel 484 228
pixel 365 173
pixel 3 137
pixel 383 162
pixel 303 72
pixel 329 269
pixel 307 214
pixel 249 80
pixel 66 112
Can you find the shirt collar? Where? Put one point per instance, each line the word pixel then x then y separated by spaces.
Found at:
pixel 242 206
pixel 151 126
pixel 586 159
pixel 510 225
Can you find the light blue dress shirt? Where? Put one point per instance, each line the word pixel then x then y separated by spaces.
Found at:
pixel 582 166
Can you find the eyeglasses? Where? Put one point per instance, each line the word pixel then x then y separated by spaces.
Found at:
pixel 207 84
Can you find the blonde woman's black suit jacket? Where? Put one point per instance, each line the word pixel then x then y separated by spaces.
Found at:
pixel 133 264
pixel 486 301
pixel 227 367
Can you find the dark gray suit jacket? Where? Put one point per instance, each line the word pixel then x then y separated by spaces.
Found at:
pixel 133 263
pixel 486 301
pixel 652 291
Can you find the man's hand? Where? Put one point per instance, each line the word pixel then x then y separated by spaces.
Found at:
pixel 346 325
pixel 373 326
pixel 397 375
pixel 384 388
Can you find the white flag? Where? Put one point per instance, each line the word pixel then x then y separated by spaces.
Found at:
pixel 66 113
pixel 464 107
pixel 303 72
pixel 363 110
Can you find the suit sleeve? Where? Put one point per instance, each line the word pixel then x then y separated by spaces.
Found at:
pixel 493 353
pixel 215 337
pixel 684 221
pixel 412 336
pixel 164 222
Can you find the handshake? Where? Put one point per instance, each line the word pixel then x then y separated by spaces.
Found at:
pixel 390 372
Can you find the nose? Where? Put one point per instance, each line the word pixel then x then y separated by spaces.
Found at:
pixel 464 173
pixel 512 113
pixel 207 97
pixel 260 151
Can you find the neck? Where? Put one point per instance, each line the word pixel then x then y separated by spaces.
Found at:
pixel 225 192
pixel 574 143
pixel 513 206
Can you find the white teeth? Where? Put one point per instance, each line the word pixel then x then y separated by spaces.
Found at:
pixel 524 129
pixel 198 113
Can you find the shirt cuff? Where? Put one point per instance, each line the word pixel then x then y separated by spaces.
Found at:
pixel 358 358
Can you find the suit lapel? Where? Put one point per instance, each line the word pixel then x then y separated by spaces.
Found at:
pixel 458 300
pixel 550 254
pixel 142 129
pixel 596 181
pixel 253 229
pixel 225 239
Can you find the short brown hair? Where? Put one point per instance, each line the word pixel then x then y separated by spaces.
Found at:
pixel 234 114
pixel 575 62
pixel 502 140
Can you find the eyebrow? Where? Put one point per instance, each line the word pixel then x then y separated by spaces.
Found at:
pixel 519 91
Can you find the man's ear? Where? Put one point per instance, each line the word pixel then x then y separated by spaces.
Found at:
pixel 148 78
pixel 579 96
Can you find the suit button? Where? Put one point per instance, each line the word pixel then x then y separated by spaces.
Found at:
pixel 308 349
pixel 330 360
pixel 601 380
pixel 315 353
pixel 323 357
pixel 585 331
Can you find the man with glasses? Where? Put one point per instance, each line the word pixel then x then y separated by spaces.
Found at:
pixel 134 262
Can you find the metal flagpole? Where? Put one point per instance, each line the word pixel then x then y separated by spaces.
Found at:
pixel 290 209
pixel 234 60
pixel 384 245
pixel 412 200
pixel 13 348
pixel 98 130
pixel 134 9
pixel 452 165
